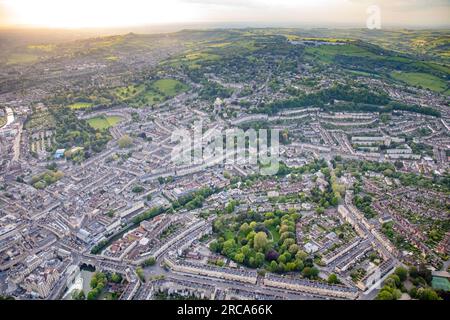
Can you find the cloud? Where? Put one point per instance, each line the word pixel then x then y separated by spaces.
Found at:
pixel 405 4
pixel 138 12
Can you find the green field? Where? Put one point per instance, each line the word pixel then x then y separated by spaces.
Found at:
pixel 22 58
pixel 169 87
pixel 80 105
pixel 151 93
pixel 193 60
pixel 103 123
pixel 423 80
pixel 274 232
pixel 42 47
pixel 111 58
pixel 201 56
pixel 326 53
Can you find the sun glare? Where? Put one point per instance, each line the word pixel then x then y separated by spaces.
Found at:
pixel 98 13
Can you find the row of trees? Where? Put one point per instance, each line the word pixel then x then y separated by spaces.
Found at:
pixel 98 283
pixel 193 200
pixel 328 96
pixel 357 100
pixel 148 215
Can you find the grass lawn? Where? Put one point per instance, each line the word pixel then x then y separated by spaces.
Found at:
pixel 424 80
pixel 170 87
pixel 80 105
pixel 275 233
pixel 153 93
pixel 103 123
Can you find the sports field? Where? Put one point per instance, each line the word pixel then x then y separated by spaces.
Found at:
pixel 103 123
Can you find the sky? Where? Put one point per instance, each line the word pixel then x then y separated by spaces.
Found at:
pixel 122 13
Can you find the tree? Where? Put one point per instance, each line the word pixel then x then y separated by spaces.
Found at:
pixel 125 142
pixel 149 262
pixel 230 207
pixel 116 278
pixel 39 185
pixel 228 247
pixel 92 295
pixel 273 266
pixel 427 294
pixel 78 295
pixel 140 274
pixel 301 255
pixel 215 246
pixel 402 273
pixel 272 255
pixel 245 228
pixel 137 189
pixel 299 264
pixel 385 118
pixel 260 241
pixel 385 295
pixel 393 281
pixel 110 213
pixel 399 164
pixel 291 266
pixel 310 273
pixel 293 248
pixel 320 210
pixel 239 257
pixel 333 279
pixel 259 259
pixel 93 282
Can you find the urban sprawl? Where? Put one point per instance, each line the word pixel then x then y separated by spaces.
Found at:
pixel 93 207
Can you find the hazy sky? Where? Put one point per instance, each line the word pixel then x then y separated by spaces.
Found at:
pixel 119 13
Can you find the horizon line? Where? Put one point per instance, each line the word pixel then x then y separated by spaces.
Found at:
pixel 227 25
